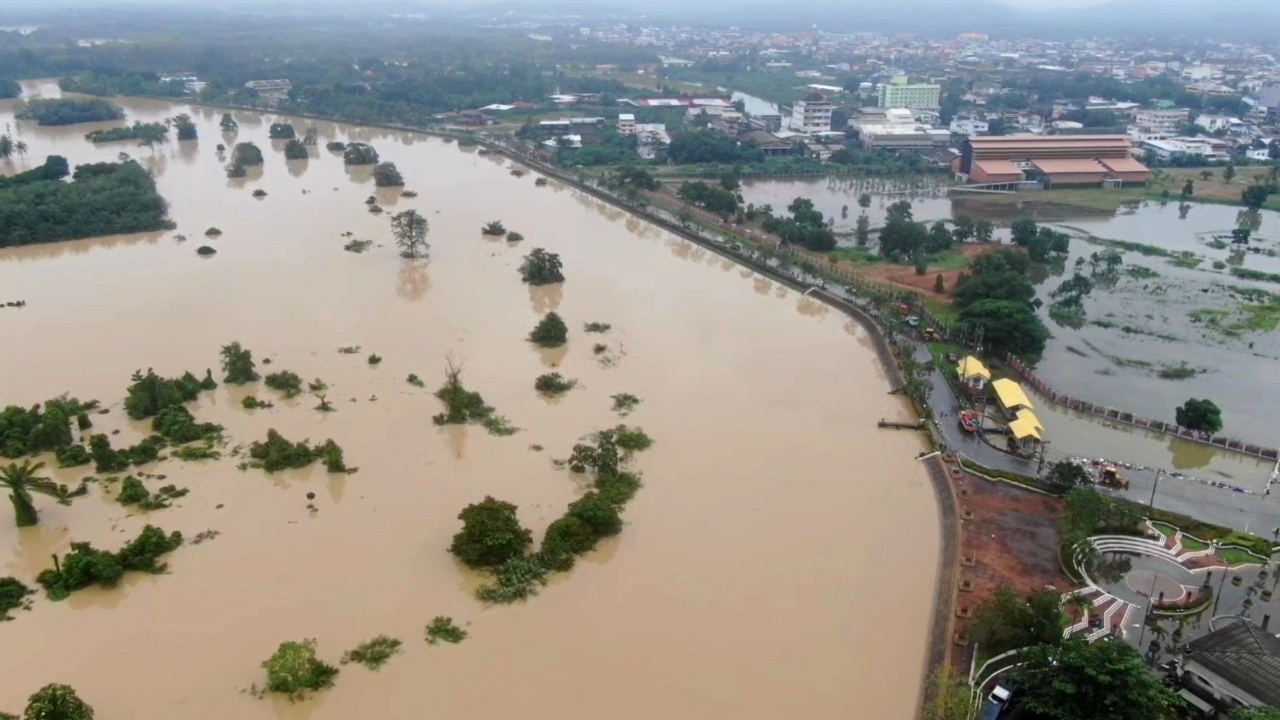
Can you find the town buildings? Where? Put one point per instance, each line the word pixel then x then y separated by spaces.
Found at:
pixel 812 114
pixel 1051 160
pixel 900 129
pixel 900 93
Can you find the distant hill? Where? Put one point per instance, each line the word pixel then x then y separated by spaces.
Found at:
pixel 1193 19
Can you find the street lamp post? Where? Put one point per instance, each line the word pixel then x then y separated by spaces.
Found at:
pixel 1151 505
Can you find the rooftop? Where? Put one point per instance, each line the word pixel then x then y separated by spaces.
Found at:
pixel 972 367
pixel 1010 394
pixel 1068 166
pixel 1245 656
pixel 1047 140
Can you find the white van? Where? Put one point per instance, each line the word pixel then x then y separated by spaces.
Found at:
pixel 996 702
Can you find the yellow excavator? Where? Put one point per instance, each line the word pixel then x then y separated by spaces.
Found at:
pixel 1112 477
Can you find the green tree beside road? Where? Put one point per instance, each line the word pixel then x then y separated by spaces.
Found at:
pixel 1201 415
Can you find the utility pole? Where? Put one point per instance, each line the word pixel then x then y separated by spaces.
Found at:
pixel 1040 469
pixel 1151 505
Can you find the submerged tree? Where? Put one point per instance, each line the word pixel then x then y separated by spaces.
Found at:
pixel 410 230
pixel 386 175
pixel 541 268
pixel 228 123
pixel 237 363
pixel 494 227
pixel 57 702
pixel 295 669
pixel 281 131
pixel 551 331
pixel 245 154
pixel 21 481
pixel 491 534
pixel 358 153
pixel 460 404
pixel 295 149
pixel 185 127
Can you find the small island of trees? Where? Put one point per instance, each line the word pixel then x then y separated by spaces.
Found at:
pixel 228 123
pixel 296 150
pixel 282 131
pixel 103 199
pixel 358 153
pixel 244 155
pixel 542 268
pixel 9 89
pixel 386 175
pixel 145 132
pixel 65 111
pixel 185 127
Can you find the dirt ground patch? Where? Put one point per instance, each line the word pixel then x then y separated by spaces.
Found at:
pixel 1013 539
pixel 905 275
pixel 1215 187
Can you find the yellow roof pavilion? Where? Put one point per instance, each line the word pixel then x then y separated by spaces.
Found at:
pixel 1010 394
pixel 972 367
pixel 1026 424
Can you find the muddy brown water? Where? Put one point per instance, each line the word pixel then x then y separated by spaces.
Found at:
pixel 779 560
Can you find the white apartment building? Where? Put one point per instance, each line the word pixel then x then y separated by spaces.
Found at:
pixel 969 127
pixel 900 93
pixel 1161 121
pixel 812 114
pixel 626 124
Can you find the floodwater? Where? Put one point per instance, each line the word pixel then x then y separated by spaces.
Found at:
pixel 759 574
pixel 1109 365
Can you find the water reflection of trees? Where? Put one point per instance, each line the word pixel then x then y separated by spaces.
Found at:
pixel 359 174
pixel 253 173
pixel 47 251
pixel 388 195
pixel 35 545
pixel 546 298
pixel 297 168
pixel 809 307
pixel 412 280
pixel 1188 455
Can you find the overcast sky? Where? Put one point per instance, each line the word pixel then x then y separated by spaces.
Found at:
pixel 1051 4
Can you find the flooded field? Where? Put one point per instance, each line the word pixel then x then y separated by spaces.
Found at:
pixel 751 580
pixel 1173 304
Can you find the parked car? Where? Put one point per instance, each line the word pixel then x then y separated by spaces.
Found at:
pixel 996 704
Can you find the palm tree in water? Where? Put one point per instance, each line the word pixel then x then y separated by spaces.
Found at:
pixel 21 481
pixel 6 147
pixel 20 148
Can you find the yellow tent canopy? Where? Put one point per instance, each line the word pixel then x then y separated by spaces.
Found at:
pixel 972 367
pixel 1011 395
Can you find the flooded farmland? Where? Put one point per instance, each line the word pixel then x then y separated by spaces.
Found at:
pixel 1173 306
pixel 749 580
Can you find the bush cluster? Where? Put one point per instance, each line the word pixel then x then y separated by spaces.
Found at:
pixel 41 428
pixel 276 453
pixel 86 565
pixel 294 669
pixel 492 537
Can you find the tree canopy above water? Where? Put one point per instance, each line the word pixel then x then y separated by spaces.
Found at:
pixel 67 111
pixel 104 199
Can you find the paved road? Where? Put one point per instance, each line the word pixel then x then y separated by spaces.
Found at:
pixel 1249 512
